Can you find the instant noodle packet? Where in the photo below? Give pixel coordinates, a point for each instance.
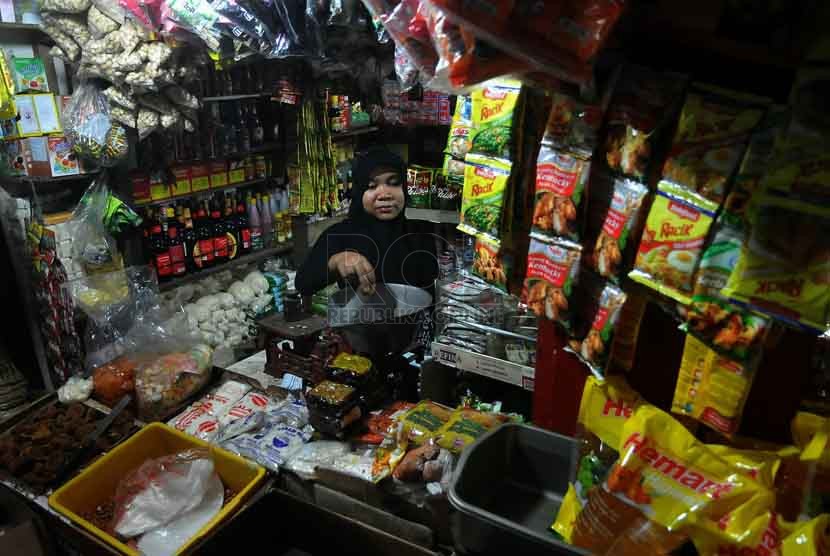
(560, 182)
(552, 272)
(724, 326)
(485, 184)
(465, 426)
(711, 388)
(423, 421)
(665, 484)
(672, 241)
(608, 254)
(494, 110)
(566, 516)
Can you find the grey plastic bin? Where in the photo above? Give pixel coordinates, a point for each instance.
(507, 489)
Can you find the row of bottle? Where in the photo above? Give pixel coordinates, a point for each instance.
(189, 236)
(234, 127)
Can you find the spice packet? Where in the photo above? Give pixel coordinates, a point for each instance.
(422, 422)
(664, 484)
(485, 183)
(725, 327)
(494, 107)
(711, 388)
(672, 242)
(465, 426)
(711, 136)
(418, 184)
(573, 125)
(448, 191)
(552, 271)
(560, 184)
(491, 263)
(639, 114)
(609, 253)
(594, 346)
(459, 140)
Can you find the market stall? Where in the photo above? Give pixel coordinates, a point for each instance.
(417, 277)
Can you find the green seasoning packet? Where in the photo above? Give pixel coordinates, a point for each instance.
(494, 108)
(418, 185)
(29, 75)
(485, 182)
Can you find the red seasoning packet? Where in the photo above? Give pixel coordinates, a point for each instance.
(552, 271)
(560, 193)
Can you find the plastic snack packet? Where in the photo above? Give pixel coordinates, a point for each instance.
(485, 184)
(423, 421)
(566, 517)
(560, 182)
(595, 346)
(672, 242)
(491, 263)
(494, 111)
(552, 273)
(809, 539)
(465, 426)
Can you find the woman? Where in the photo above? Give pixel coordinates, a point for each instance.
(376, 244)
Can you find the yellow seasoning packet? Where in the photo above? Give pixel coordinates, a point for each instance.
(711, 388)
(808, 539)
(465, 426)
(566, 517)
(482, 199)
(422, 422)
(672, 241)
(493, 113)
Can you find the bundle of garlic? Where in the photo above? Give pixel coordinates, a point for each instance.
(144, 71)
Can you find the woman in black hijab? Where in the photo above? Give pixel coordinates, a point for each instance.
(376, 244)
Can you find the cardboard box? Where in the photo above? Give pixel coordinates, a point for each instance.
(62, 160)
(36, 156)
(218, 174)
(199, 177)
(141, 187)
(181, 185)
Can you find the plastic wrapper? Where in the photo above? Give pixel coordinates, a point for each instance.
(87, 125)
(333, 407)
(315, 454)
(99, 23)
(613, 247)
(93, 245)
(464, 427)
(115, 379)
(120, 97)
(68, 46)
(74, 26)
(350, 369)
(405, 70)
(560, 196)
(491, 262)
(163, 489)
(147, 121)
(496, 108)
(65, 6)
(552, 273)
(413, 466)
(181, 97)
(594, 345)
(675, 230)
(485, 185)
(573, 125)
(422, 422)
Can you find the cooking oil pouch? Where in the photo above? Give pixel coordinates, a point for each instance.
(595, 346)
(485, 185)
(559, 199)
(805, 426)
(711, 388)
(552, 272)
(672, 242)
(605, 406)
(491, 262)
(722, 325)
(465, 426)
(609, 252)
(423, 421)
(710, 139)
(494, 109)
(566, 516)
(808, 539)
(667, 477)
(766, 539)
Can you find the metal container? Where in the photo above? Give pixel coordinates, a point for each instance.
(507, 489)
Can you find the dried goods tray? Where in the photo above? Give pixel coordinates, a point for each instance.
(32, 490)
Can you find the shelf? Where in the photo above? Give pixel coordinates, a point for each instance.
(205, 192)
(433, 215)
(267, 147)
(41, 179)
(354, 133)
(484, 365)
(31, 27)
(227, 98)
(239, 261)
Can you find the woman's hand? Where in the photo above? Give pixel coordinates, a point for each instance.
(350, 263)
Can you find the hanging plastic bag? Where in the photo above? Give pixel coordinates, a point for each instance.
(89, 128)
(161, 490)
(92, 245)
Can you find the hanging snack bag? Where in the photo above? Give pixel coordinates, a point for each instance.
(423, 421)
(621, 217)
(448, 191)
(672, 241)
(711, 388)
(710, 139)
(722, 325)
(459, 141)
(664, 484)
(485, 183)
(465, 426)
(29, 75)
(552, 270)
(573, 125)
(638, 115)
(594, 347)
(490, 263)
(494, 109)
(560, 184)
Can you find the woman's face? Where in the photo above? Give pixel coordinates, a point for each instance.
(384, 197)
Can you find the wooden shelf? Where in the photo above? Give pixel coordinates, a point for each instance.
(239, 261)
(433, 215)
(43, 179)
(354, 132)
(205, 192)
(228, 98)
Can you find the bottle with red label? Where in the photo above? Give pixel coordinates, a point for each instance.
(189, 238)
(220, 240)
(243, 227)
(203, 251)
(231, 232)
(176, 252)
(160, 253)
